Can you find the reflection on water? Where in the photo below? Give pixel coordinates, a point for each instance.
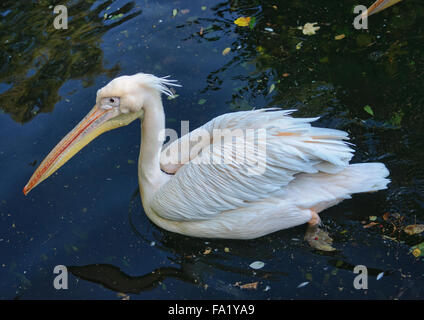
(114, 279)
(36, 59)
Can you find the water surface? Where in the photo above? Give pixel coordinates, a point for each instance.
(88, 215)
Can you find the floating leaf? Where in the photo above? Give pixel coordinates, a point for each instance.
(380, 275)
(242, 21)
(386, 216)
(207, 251)
(414, 229)
(373, 218)
(226, 51)
(271, 88)
(299, 45)
(201, 101)
(203, 8)
(368, 109)
(250, 286)
(257, 265)
(303, 284)
(418, 250)
(340, 36)
(174, 12)
(226, 249)
(371, 224)
(309, 29)
(252, 23)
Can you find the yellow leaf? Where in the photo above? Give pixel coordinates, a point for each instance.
(207, 251)
(226, 51)
(416, 252)
(340, 36)
(242, 21)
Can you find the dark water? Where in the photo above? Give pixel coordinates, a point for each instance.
(89, 216)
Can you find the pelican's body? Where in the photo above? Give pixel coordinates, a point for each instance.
(275, 172)
(306, 171)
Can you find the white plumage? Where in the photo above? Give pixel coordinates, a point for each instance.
(306, 168)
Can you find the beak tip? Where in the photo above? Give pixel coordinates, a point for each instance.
(26, 190)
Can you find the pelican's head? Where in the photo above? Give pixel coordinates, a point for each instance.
(118, 104)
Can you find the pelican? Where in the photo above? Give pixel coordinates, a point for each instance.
(186, 187)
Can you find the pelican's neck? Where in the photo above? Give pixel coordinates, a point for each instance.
(153, 124)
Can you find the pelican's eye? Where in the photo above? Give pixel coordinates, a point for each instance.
(108, 103)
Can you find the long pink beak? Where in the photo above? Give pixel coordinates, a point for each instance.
(93, 124)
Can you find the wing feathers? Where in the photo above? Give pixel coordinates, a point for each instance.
(203, 187)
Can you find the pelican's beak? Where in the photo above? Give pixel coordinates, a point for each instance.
(379, 5)
(96, 122)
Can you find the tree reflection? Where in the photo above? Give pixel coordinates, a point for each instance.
(36, 59)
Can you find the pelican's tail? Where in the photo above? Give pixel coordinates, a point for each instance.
(320, 191)
(367, 177)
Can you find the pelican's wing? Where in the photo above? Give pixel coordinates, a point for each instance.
(218, 176)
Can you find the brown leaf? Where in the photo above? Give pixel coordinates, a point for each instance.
(386, 216)
(250, 286)
(207, 251)
(414, 229)
(369, 225)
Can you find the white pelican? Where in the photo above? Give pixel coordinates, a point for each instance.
(306, 168)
